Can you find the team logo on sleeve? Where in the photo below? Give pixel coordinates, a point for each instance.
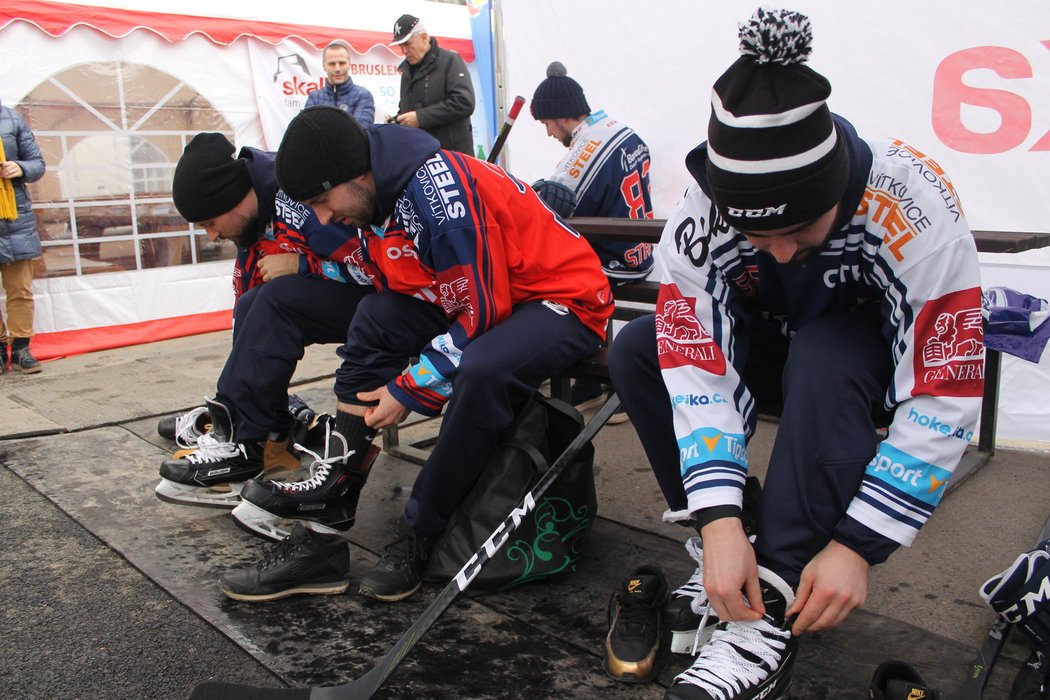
(681, 340)
(949, 346)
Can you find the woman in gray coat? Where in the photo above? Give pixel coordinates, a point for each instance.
(19, 240)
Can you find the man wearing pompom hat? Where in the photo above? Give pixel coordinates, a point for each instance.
(604, 173)
(477, 279)
(831, 280)
(292, 288)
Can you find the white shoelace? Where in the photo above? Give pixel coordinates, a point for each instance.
(211, 450)
(723, 671)
(321, 466)
(694, 588)
(186, 432)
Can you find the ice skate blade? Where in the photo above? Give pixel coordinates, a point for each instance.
(218, 496)
(257, 521)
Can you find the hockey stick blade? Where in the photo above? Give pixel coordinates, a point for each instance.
(366, 686)
(981, 668)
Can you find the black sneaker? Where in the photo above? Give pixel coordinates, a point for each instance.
(400, 570)
(634, 626)
(1033, 680)
(896, 680)
(688, 616)
(745, 660)
(213, 474)
(326, 501)
(303, 562)
(23, 359)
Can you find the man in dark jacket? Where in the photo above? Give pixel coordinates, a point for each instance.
(436, 93)
(20, 162)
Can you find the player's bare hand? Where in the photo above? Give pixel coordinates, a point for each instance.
(278, 264)
(730, 571)
(387, 412)
(408, 119)
(832, 585)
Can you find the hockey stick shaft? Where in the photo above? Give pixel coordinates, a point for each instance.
(981, 668)
(504, 130)
(366, 686)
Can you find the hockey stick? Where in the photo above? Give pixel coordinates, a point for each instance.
(515, 108)
(366, 686)
(981, 668)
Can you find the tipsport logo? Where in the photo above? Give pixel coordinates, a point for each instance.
(712, 445)
(681, 340)
(920, 480)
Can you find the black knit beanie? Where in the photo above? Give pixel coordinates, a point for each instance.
(559, 96)
(208, 180)
(322, 147)
(775, 158)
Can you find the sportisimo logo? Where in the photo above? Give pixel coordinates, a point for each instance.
(696, 399)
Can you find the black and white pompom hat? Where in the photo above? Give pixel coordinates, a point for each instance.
(775, 158)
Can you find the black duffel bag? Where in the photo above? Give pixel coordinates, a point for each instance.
(550, 538)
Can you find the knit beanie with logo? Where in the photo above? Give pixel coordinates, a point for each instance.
(775, 157)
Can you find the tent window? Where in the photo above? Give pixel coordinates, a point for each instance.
(111, 133)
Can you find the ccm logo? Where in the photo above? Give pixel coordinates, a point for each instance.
(756, 213)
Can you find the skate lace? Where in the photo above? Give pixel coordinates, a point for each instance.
(320, 467)
(694, 588)
(739, 656)
(210, 449)
(186, 432)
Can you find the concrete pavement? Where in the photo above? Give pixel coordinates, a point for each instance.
(108, 592)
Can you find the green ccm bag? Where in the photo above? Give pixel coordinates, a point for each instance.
(550, 539)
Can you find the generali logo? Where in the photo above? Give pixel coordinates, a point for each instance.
(949, 346)
(681, 340)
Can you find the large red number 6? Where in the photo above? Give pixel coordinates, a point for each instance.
(950, 93)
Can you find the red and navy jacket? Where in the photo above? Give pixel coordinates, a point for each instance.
(469, 237)
(286, 226)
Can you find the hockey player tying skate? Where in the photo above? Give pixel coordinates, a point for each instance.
(830, 279)
(477, 278)
(293, 288)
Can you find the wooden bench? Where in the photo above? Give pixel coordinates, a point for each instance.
(638, 299)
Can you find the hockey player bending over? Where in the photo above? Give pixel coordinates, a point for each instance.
(476, 278)
(817, 266)
(605, 172)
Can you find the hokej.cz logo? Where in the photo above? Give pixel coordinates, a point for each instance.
(949, 346)
(907, 473)
(681, 340)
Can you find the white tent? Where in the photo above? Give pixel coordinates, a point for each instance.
(114, 91)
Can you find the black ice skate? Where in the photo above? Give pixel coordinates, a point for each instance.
(324, 502)
(745, 660)
(688, 616)
(185, 429)
(214, 473)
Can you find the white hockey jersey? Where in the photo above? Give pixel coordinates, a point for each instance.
(909, 249)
